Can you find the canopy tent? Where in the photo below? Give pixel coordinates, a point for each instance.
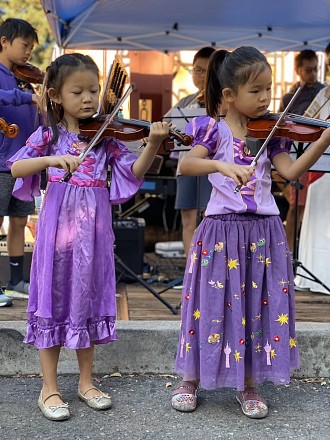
(172, 25)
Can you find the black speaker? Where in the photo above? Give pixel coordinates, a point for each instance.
(129, 243)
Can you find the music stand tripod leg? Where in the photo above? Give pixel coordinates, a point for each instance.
(313, 277)
(130, 272)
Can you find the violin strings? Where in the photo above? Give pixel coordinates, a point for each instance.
(312, 121)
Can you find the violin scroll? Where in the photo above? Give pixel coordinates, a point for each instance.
(9, 130)
(183, 138)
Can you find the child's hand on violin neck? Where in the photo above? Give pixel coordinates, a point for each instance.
(158, 132)
(239, 173)
(67, 162)
(36, 99)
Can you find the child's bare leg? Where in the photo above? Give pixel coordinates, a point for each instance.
(85, 358)
(49, 360)
(94, 398)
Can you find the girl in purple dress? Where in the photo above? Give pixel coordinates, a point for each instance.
(72, 291)
(238, 311)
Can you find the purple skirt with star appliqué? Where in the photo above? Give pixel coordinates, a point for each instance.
(238, 304)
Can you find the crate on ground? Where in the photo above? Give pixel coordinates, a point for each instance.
(170, 249)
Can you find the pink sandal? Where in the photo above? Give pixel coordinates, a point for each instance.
(185, 397)
(252, 404)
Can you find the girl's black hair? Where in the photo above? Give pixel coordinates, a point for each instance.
(212, 88)
(56, 74)
(17, 28)
(240, 65)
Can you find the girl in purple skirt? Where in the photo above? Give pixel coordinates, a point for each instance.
(73, 286)
(238, 306)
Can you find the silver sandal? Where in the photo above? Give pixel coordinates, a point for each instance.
(185, 397)
(252, 404)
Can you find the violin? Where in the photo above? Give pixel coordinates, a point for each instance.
(9, 130)
(295, 127)
(29, 73)
(127, 129)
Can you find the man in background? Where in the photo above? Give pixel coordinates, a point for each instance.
(193, 193)
(306, 66)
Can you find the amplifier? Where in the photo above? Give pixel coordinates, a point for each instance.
(129, 243)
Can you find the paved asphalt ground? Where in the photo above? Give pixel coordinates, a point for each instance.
(141, 410)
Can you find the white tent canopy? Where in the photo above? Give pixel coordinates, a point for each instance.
(172, 25)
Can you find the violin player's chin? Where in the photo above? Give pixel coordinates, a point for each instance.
(260, 112)
(87, 113)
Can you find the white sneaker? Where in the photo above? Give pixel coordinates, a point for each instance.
(19, 290)
(5, 301)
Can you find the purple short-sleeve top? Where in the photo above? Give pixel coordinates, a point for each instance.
(256, 196)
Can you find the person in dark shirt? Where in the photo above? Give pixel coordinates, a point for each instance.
(306, 66)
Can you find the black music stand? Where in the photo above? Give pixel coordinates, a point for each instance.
(299, 150)
(179, 117)
(122, 268)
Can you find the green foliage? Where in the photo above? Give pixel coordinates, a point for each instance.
(32, 12)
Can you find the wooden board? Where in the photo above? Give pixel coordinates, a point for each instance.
(142, 305)
(122, 304)
(17, 312)
(134, 302)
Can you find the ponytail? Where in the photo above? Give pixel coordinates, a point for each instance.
(213, 87)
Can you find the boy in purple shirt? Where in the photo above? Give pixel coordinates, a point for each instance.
(17, 106)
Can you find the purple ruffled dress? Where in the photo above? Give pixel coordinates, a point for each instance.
(72, 284)
(238, 305)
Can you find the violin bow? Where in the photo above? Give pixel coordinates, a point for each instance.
(109, 118)
(265, 143)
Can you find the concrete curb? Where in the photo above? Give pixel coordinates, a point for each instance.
(148, 347)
